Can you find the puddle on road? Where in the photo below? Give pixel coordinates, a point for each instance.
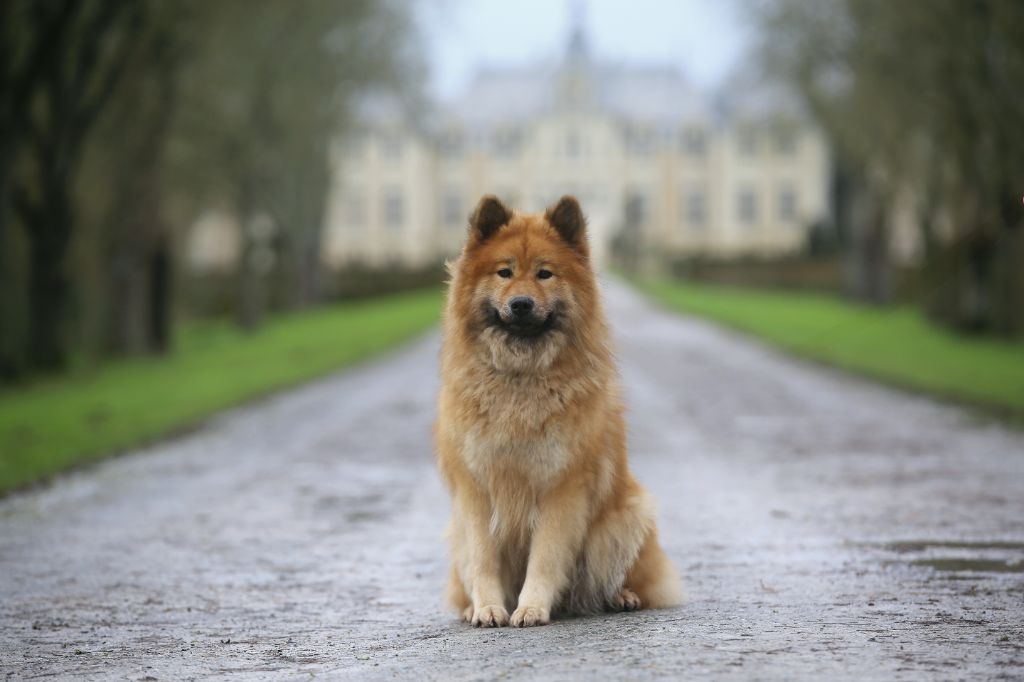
(972, 556)
(923, 545)
(953, 565)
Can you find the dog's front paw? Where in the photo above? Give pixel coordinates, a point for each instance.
(527, 616)
(490, 617)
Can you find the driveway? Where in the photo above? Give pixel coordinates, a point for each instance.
(827, 528)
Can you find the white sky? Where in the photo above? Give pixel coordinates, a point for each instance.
(705, 38)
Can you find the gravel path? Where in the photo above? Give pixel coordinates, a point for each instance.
(828, 528)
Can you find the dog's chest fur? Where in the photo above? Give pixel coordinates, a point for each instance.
(514, 473)
(518, 441)
(517, 429)
(538, 459)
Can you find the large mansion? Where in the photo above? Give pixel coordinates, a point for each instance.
(652, 160)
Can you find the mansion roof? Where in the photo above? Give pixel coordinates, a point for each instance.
(649, 95)
(653, 95)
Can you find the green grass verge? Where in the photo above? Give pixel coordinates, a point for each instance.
(57, 423)
(893, 344)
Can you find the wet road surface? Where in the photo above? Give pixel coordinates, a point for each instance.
(827, 528)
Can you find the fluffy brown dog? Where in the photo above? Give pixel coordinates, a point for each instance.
(546, 516)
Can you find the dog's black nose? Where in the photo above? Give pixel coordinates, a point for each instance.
(521, 306)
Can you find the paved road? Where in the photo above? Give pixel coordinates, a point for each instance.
(828, 528)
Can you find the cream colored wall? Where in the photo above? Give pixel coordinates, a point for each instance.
(592, 174)
(689, 172)
(214, 242)
(766, 172)
(601, 175)
(367, 176)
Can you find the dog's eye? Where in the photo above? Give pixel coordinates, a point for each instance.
(544, 274)
(504, 272)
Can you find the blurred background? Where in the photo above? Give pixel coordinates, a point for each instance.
(178, 178)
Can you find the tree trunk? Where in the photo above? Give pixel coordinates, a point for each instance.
(127, 302)
(251, 288)
(48, 280)
(158, 332)
(141, 314)
(866, 254)
(1008, 294)
(14, 320)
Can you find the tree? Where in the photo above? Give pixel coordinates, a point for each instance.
(26, 32)
(167, 105)
(124, 185)
(269, 87)
(923, 99)
(82, 49)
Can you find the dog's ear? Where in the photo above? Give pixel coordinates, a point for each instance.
(488, 217)
(567, 218)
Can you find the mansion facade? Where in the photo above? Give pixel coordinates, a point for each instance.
(653, 162)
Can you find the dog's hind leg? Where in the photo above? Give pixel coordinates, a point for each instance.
(622, 567)
(613, 543)
(653, 578)
(627, 600)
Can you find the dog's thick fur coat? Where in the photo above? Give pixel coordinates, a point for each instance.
(546, 516)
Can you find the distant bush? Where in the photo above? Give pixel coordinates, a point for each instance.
(802, 273)
(210, 294)
(216, 294)
(362, 281)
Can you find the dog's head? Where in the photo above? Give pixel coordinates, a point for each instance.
(523, 287)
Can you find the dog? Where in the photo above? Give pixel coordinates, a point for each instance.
(531, 442)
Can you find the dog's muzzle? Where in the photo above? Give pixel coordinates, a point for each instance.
(521, 318)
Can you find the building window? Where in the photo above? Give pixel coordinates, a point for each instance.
(747, 142)
(509, 197)
(573, 145)
(785, 141)
(355, 208)
(394, 211)
(695, 142)
(696, 208)
(787, 204)
(595, 199)
(391, 146)
(746, 206)
(452, 145)
(638, 209)
(588, 198)
(507, 143)
(353, 146)
(451, 209)
(640, 141)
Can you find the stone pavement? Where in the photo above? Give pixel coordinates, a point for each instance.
(827, 528)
